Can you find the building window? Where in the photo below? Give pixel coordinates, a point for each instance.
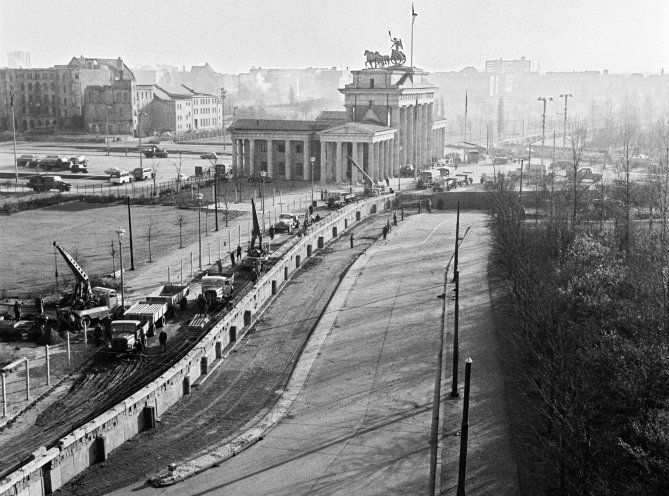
(281, 168)
(263, 146)
(281, 148)
(298, 169)
(298, 148)
(263, 166)
(371, 83)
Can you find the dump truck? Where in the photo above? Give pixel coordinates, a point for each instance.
(147, 312)
(125, 334)
(170, 294)
(218, 288)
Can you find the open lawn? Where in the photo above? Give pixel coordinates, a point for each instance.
(86, 231)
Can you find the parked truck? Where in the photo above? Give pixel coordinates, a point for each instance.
(338, 199)
(125, 334)
(218, 288)
(147, 312)
(170, 294)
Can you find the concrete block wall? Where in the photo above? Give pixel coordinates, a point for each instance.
(93, 442)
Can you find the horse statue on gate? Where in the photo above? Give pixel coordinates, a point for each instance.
(374, 59)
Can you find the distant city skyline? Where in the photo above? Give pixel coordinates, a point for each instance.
(621, 36)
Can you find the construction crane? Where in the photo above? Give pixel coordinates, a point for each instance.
(82, 289)
(369, 183)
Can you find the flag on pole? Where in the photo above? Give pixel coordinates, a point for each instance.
(413, 13)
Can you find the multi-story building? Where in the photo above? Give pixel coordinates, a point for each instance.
(178, 112)
(517, 66)
(52, 98)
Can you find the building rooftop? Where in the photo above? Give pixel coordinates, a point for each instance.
(280, 125)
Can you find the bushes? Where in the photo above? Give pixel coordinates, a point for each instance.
(591, 329)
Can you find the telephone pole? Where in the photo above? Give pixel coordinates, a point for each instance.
(564, 133)
(543, 125)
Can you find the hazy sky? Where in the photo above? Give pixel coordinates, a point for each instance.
(556, 35)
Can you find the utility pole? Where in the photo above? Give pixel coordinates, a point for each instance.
(564, 134)
(132, 255)
(456, 279)
(543, 125)
(16, 164)
(223, 93)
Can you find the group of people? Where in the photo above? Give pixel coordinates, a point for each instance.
(388, 227)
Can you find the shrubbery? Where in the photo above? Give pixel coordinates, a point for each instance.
(592, 329)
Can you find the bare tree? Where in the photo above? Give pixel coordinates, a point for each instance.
(152, 230)
(177, 164)
(154, 173)
(181, 222)
(577, 142)
(629, 140)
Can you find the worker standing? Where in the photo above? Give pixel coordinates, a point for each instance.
(394, 218)
(17, 309)
(239, 252)
(162, 339)
(39, 304)
(351, 238)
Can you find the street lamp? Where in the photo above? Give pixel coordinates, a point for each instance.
(311, 161)
(199, 197)
(543, 124)
(16, 164)
(107, 108)
(399, 174)
(120, 232)
(139, 132)
(564, 132)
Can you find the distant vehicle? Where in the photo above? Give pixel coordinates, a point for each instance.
(259, 177)
(79, 164)
(218, 288)
(153, 151)
(125, 334)
(285, 222)
(47, 182)
(28, 160)
(209, 156)
(141, 173)
(120, 177)
(407, 171)
(182, 177)
(112, 170)
(55, 162)
(338, 199)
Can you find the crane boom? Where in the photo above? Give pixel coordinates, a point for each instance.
(365, 175)
(83, 282)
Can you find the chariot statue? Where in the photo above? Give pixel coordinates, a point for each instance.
(396, 57)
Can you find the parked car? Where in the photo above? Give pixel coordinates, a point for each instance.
(28, 160)
(79, 164)
(153, 151)
(47, 182)
(259, 177)
(120, 177)
(209, 156)
(182, 177)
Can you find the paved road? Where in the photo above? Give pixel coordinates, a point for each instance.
(249, 380)
(361, 423)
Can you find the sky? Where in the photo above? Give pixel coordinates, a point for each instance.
(623, 36)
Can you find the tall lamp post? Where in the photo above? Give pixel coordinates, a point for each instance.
(564, 131)
(399, 174)
(223, 93)
(120, 232)
(543, 124)
(311, 173)
(16, 164)
(107, 108)
(139, 132)
(199, 197)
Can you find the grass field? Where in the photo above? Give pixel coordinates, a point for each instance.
(28, 258)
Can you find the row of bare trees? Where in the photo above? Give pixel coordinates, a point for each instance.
(588, 282)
